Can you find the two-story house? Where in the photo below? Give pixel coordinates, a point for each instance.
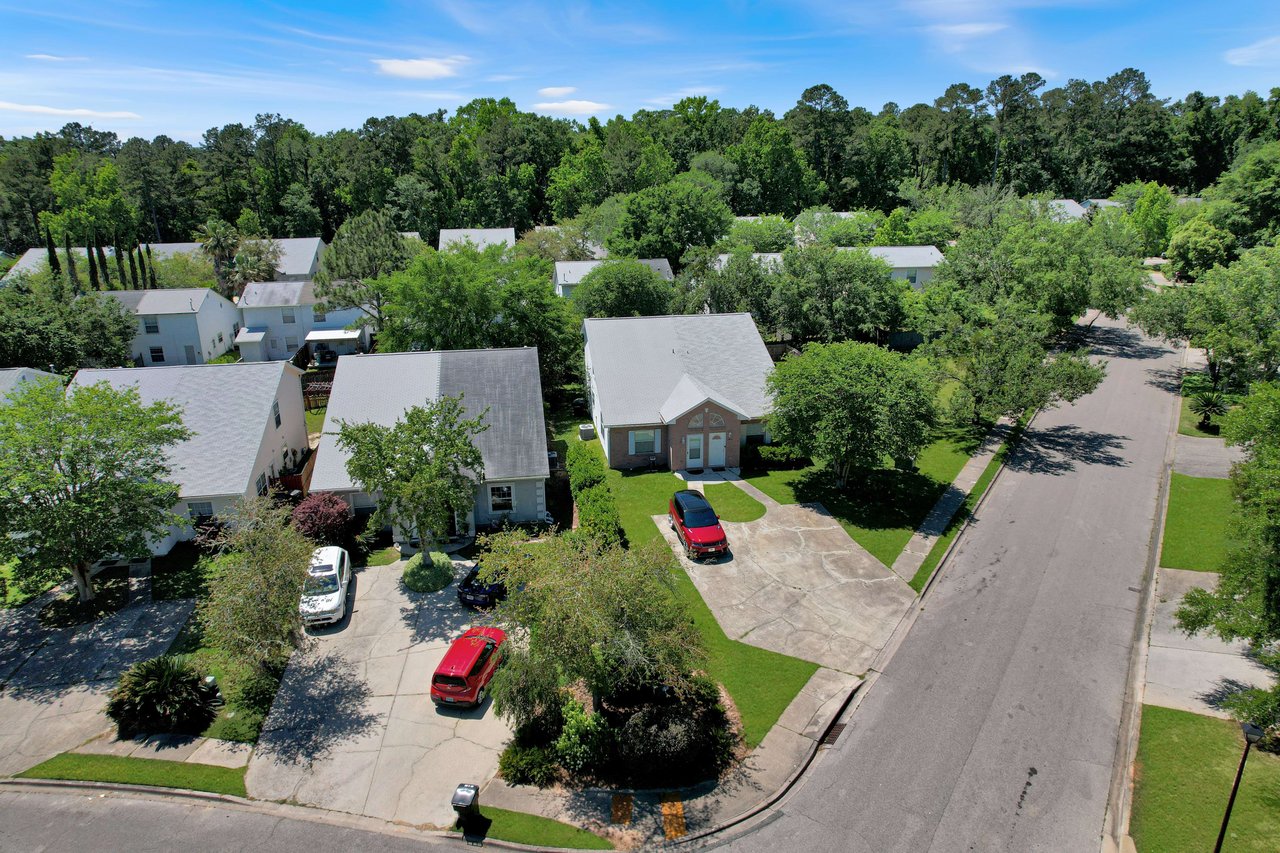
(191, 325)
(280, 317)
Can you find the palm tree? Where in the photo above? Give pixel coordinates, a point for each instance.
(220, 241)
(1208, 404)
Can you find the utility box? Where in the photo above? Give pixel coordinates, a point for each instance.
(466, 801)
(586, 432)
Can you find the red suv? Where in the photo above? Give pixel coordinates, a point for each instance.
(697, 525)
(468, 667)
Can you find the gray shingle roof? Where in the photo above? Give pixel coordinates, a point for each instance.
(378, 388)
(34, 260)
(11, 377)
(181, 300)
(226, 406)
(299, 256)
(1064, 209)
(899, 257)
(772, 260)
(572, 272)
(643, 366)
(278, 294)
(482, 238)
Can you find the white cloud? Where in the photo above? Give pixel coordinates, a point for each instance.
(973, 29)
(425, 68)
(571, 108)
(1261, 53)
(40, 109)
(49, 57)
(557, 91)
(679, 95)
(502, 78)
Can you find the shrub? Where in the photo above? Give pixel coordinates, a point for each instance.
(1197, 247)
(428, 575)
(585, 741)
(676, 741)
(779, 456)
(598, 515)
(161, 695)
(1208, 404)
(528, 765)
(323, 517)
(586, 468)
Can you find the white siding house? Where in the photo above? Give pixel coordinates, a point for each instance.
(180, 326)
(915, 264)
(280, 317)
(12, 377)
(569, 274)
(247, 423)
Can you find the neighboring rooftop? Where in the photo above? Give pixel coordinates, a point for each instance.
(907, 257)
(178, 300)
(1100, 202)
(12, 377)
(772, 260)
(379, 388)
(35, 259)
(226, 407)
(572, 272)
(650, 369)
(1064, 209)
(277, 294)
(299, 256)
(481, 238)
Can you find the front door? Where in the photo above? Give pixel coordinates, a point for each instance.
(190, 352)
(693, 452)
(715, 450)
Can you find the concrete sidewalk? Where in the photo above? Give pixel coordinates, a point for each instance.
(935, 523)
(1205, 457)
(184, 748)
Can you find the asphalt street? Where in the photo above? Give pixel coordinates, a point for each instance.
(994, 726)
(49, 821)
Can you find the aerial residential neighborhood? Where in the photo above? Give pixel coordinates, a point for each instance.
(832, 427)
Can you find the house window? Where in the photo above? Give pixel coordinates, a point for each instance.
(290, 342)
(151, 325)
(262, 484)
(220, 338)
(275, 343)
(911, 276)
(157, 355)
(696, 421)
(200, 510)
(644, 441)
(275, 411)
(501, 499)
(318, 313)
(235, 329)
(715, 419)
(288, 316)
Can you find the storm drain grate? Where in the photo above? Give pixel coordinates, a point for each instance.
(833, 734)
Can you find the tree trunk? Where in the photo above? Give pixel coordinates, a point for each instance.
(133, 270)
(142, 268)
(54, 266)
(84, 583)
(93, 266)
(71, 266)
(102, 265)
(124, 281)
(151, 266)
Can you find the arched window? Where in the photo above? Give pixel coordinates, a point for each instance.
(717, 420)
(695, 422)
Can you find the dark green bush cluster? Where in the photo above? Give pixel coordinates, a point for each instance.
(779, 457)
(429, 573)
(528, 765)
(597, 511)
(160, 696)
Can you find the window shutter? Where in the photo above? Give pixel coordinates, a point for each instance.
(631, 442)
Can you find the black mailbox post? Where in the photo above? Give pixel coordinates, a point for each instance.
(466, 802)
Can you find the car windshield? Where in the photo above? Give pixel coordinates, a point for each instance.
(320, 584)
(450, 680)
(700, 517)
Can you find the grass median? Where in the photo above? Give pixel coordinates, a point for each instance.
(521, 828)
(83, 767)
(1197, 524)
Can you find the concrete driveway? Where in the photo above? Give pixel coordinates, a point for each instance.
(54, 683)
(797, 584)
(353, 728)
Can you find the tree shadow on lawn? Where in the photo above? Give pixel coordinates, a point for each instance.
(321, 704)
(1056, 450)
(880, 499)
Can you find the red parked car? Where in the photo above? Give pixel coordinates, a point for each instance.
(697, 525)
(468, 667)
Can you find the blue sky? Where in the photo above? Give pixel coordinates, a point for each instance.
(140, 67)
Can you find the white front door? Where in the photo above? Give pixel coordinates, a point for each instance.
(693, 452)
(715, 450)
(190, 352)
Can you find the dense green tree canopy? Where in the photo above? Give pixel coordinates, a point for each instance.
(624, 288)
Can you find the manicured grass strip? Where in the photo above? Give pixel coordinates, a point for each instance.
(1189, 421)
(521, 828)
(13, 594)
(733, 504)
(1186, 763)
(315, 419)
(1197, 523)
(140, 771)
(381, 557)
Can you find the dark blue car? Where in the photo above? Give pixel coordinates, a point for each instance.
(474, 592)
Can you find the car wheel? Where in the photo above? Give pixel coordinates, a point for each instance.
(480, 697)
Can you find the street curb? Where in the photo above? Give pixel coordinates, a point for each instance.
(1115, 821)
(272, 808)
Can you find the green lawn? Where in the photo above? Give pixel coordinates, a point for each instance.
(140, 771)
(178, 574)
(231, 356)
(521, 828)
(1186, 763)
(315, 419)
(733, 504)
(1189, 421)
(1196, 525)
(13, 594)
(240, 719)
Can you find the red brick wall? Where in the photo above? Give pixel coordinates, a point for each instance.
(680, 431)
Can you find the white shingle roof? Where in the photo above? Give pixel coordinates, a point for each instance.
(1064, 209)
(378, 388)
(482, 238)
(12, 377)
(572, 272)
(226, 406)
(277, 294)
(908, 257)
(646, 367)
(180, 300)
(299, 256)
(34, 260)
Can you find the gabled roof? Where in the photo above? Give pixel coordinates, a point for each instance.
(278, 294)
(299, 256)
(770, 260)
(35, 259)
(900, 257)
(1064, 209)
(572, 272)
(1100, 202)
(12, 377)
(645, 369)
(482, 238)
(179, 300)
(226, 407)
(379, 388)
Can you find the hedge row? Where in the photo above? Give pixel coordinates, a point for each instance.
(597, 511)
